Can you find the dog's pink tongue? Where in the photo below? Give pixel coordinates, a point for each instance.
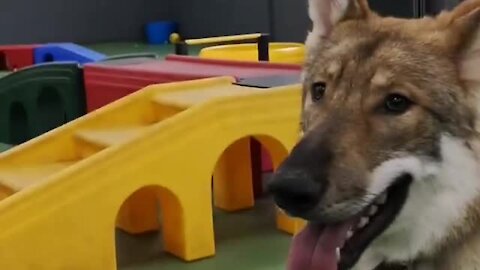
(315, 248)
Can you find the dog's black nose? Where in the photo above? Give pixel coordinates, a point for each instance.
(302, 179)
(295, 191)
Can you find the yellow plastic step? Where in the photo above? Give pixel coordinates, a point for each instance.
(187, 99)
(111, 137)
(13, 180)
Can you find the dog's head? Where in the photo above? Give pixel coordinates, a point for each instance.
(385, 101)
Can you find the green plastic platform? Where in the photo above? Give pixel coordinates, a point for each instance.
(39, 98)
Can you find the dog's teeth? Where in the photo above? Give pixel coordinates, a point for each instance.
(349, 234)
(363, 222)
(373, 210)
(382, 199)
(337, 251)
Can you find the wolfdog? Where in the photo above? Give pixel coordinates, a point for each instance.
(387, 170)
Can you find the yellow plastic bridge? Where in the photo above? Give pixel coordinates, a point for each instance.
(63, 193)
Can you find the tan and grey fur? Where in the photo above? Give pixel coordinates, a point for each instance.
(435, 62)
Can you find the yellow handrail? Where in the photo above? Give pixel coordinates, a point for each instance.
(220, 39)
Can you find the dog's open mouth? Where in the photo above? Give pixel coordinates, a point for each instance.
(339, 246)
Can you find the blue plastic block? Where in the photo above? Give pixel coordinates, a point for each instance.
(66, 52)
(159, 32)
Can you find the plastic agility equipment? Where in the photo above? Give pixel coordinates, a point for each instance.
(66, 190)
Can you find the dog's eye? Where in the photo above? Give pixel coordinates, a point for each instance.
(318, 91)
(397, 104)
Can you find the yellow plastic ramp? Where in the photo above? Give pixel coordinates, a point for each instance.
(63, 193)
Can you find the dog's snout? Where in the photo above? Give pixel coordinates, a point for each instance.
(295, 192)
(302, 179)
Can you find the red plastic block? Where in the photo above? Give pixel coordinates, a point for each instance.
(14, 57)
(105, 82)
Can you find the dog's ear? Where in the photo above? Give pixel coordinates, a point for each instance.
(326, 13)
(463, 39)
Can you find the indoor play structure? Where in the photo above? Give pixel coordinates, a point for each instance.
(175, 98)
(41, 97)
(68, 87)
(104, 80)
(51, 186)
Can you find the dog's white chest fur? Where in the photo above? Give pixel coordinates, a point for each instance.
(437, 202)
